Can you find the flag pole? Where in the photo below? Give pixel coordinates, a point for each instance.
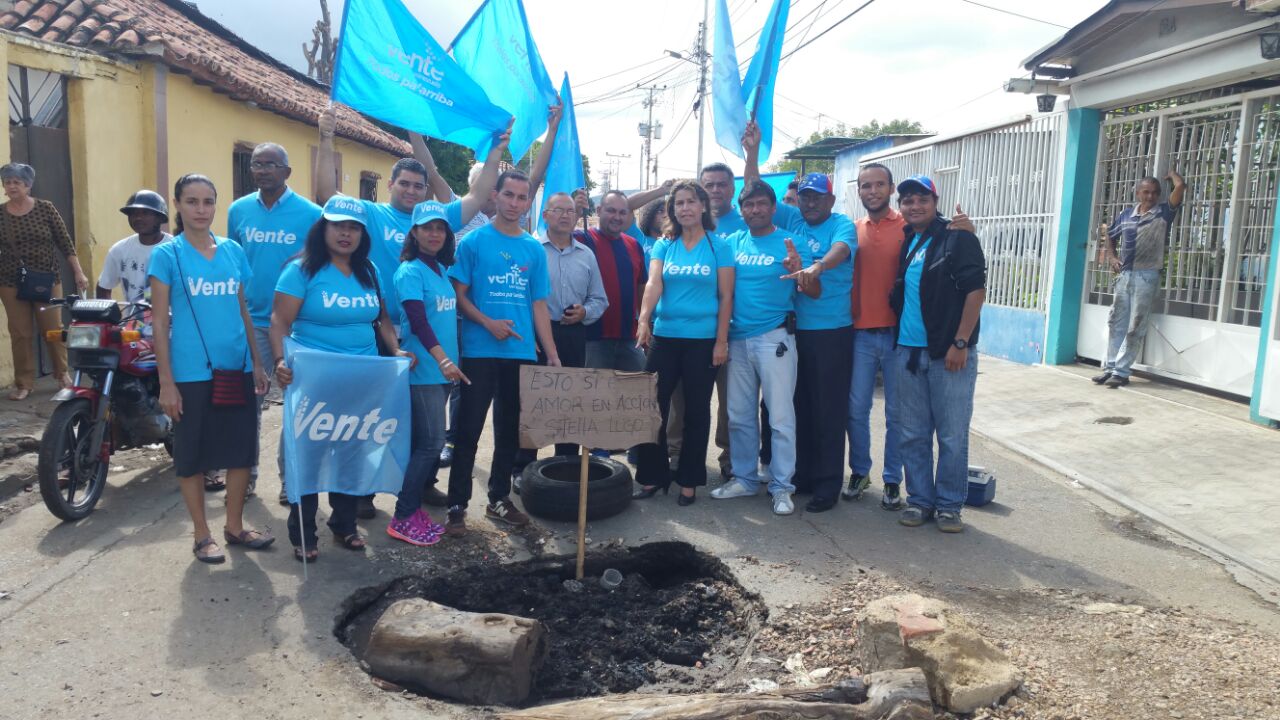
(582, 510)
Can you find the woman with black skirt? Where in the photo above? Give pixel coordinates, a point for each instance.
(210, 374)
(691, 290)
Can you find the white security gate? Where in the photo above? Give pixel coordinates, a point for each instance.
(1227, 146)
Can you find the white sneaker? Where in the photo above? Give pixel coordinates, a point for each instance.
(782, 504)
(735, 489)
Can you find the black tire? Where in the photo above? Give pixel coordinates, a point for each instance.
(71, 473)
(549, 488)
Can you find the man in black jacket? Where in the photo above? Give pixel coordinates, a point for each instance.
(941, 285)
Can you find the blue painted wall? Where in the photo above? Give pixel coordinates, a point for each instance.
(1083, 132)
(1012, 334)
(847, 165)
(1269, 310)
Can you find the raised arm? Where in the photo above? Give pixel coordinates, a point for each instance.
(480, 192)
(539, 171)
(439, 188)
(326, 174)
(640, 199)
(751, 146)
(1179, 189)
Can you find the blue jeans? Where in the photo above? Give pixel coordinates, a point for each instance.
(755, 371)
(427, 402)
(935, 401)
(872, 352)
(615, 355)
(1130, 315)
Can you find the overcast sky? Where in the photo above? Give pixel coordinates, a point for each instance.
(941, 62)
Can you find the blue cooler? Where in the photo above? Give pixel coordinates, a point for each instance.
(982, 487)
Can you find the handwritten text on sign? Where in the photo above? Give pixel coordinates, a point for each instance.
(595, 408)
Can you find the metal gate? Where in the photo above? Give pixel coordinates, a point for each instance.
(1226, 144)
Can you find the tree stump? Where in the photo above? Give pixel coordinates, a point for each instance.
(482, 658)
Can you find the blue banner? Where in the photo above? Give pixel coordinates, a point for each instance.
(497, 50)
(344, 436)
(729, 113)
(564, 171)
(762, 73)
(389, 67)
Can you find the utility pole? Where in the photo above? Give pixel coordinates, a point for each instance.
(615, 169)
(702, 78)
(649, 131)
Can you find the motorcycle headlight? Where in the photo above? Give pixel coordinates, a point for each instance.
(84, 336)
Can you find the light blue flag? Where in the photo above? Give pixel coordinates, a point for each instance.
(391, 68)
(496, 48)
(564, 171)
(729, 112)
(343, 436)
(762, 73)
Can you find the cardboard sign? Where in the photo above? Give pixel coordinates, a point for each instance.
(590, 407)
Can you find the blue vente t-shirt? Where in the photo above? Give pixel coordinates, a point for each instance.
(831, 309)
(387, 228)
(504, 276)
(646, 242)
(911, 332)
(269, 237)
(690, 298)
(761, 298)
(206, 292)
(337, 312)
(417, 281)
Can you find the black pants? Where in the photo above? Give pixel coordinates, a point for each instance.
(342, 518)
(496, 381)
(687, 363)
(571, 344)
(822, 408)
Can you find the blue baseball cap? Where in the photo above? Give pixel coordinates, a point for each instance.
(917, 183)
(342, 207)
(425, 212)
(817, 182)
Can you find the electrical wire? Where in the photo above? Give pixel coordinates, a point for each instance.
(1017, 15)
(830, 27)
(620, 72)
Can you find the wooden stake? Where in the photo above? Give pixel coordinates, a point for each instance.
(582, 510)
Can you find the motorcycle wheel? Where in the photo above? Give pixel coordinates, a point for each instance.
(72, 475)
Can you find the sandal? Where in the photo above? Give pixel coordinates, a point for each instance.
(19, 394)
(247, 538)
(215, 481)
(309, 557)
(211, 557)
(354, 541)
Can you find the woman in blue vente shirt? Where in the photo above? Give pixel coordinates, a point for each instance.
(690, 288)
(334, 264)
(197, 303)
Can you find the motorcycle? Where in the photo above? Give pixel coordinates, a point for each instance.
(113, 403)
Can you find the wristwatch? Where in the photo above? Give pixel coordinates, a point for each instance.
(960, 343)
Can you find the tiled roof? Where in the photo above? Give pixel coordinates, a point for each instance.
(190, 43)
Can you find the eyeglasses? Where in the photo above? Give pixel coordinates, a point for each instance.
(268, 165)
(561, 212)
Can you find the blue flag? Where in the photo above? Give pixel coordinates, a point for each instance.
(762, 73)
(496, 48)
(343, 436)
(564, 171)
(390, 67)
(730, 115)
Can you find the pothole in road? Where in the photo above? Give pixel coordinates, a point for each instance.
(1114, 420)
(679, 620)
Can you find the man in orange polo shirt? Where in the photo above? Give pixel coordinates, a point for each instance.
(875, 268)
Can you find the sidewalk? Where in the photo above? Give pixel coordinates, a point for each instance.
(1186, 460)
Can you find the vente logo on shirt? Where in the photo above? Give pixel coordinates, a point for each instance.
(200, 286)
(697, 269)
(446, 304)
(392, 236)
(367, 300)
(513, 277)
(757, 259)
(270, 237)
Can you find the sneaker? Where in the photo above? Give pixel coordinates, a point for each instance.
(819, 504)
(446, 455)
(365, 509)
(735, 489)
(782, 504)
(412, 531)
(949, 521)
(1117, 381)
(913, 517)
(433, 497)
(424, 521)
(505, 511)
(456, 523)
(857, 485)
(891, 498)
(1099, 379)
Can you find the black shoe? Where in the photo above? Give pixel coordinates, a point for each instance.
(1099, 379)
(891, 499)
(857, 485)
(433, 497)
(284, 496)
(446, 455)
(1117, 382)
(686, 500)
(364, 508)
(819, 504)
(645, 493)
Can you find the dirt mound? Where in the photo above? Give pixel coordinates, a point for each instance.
(680, 619)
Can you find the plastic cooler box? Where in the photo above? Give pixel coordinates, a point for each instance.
(982, 486)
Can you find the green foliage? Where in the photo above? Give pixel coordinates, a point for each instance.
(862, 132)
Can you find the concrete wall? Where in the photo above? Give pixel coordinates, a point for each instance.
(1012, 333)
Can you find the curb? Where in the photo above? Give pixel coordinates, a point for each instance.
(1234, 555)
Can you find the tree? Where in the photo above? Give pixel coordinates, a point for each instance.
(860, 132)
(320, 53)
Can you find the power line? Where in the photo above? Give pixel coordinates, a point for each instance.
(1017, 15)
(831, 27)
(614, 74)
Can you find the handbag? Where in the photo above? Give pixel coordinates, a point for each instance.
(228, 385)
(383, 349)
(34, 285)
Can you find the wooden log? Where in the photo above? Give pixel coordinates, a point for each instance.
(482, 658)
(892, 695)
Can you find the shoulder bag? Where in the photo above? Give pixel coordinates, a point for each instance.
(228, 385)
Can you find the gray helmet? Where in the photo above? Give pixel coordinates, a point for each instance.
(147, 200)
